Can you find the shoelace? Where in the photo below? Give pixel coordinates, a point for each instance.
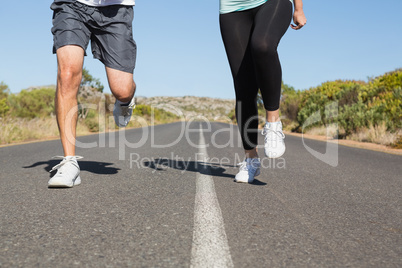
(64, 161)
(272, 135)
(126, 108)
(243, 165)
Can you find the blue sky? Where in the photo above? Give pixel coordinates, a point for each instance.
(180, 51)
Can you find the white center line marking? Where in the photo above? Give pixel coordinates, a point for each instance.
(210, 245)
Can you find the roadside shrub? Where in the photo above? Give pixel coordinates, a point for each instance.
(385, 97)
(92, 121)
(361, 105)
(4, 92)
(4, 108)
(290, 102)
(160, 115)
(33, 103)
(232, 115)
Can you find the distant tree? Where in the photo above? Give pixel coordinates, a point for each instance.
(89, 80)
(4, 90)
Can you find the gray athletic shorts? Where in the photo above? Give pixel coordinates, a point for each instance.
(109, 29)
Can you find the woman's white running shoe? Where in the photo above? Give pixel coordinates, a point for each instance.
(249, 169)
(274, 145)
(68, 173)
(122, 112)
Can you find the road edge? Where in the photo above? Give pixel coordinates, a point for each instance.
(349, 143)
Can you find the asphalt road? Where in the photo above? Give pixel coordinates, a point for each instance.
(165, 197)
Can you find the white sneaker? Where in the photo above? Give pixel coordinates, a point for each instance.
(68, 173)
(122, 112)
(249, 169)
(274, 144)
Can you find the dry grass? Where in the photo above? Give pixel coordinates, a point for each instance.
(16, 130)
(331, 131)
(19, 129)
(376, 134)
(289, 125)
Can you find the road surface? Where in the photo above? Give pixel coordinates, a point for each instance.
(165, 197)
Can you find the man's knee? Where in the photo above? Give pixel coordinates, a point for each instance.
(68, 85)
(124, 91)
(69, 78)
(70, 60)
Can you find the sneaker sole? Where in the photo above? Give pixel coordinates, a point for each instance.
(76, 182)
(244, 181)
(275, 156)
(257, 173)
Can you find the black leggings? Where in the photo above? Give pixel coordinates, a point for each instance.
(251, 38)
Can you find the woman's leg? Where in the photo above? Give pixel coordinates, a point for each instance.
(236, 29)
(271, 22)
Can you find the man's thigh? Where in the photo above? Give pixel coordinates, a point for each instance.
(120, 82)
(112, 42)
(68, 26)
(70, 57)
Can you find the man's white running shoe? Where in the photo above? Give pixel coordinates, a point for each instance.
(249, 169)
(122, 112)
(68, 173)
(274, 144)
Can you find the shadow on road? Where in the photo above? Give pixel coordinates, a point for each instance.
(212, 169)
(90, 166)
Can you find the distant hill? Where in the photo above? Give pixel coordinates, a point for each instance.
(191, 107)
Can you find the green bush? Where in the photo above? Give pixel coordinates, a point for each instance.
(232, 115)
(385, 98)
(4, 108)
(33, 103)
(142, 110)
(360, 104)
(352, 117)
(290, 102)
(4, 92)
(159, 114)
(91, 120)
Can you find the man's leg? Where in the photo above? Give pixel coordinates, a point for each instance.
(69, 73)
(123, 88)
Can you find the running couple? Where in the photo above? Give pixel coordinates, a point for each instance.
(251, 31)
